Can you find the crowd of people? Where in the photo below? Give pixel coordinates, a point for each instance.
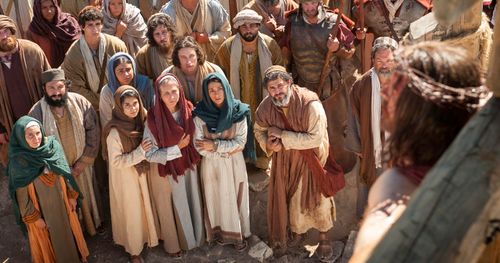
(159, 109)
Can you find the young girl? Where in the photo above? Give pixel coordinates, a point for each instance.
(131, 214)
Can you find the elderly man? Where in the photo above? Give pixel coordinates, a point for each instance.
(71, 119)
(86, 60)
(245, 57)
(273, 14)
(190, 67)
(366, 102)
(153, 58)
(22, 65)
(290, 126)
(205, 20)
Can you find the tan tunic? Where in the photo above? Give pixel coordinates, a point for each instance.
(150, 62)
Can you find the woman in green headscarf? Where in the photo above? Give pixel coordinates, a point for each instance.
(44, 194)
(221, 139)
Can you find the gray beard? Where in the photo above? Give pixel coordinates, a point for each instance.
(285, 101)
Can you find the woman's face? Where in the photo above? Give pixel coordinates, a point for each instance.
(48, 10)
(131, 107)
(33, 136)
(124, 73)
(216, 93)
(116, 8)
(169, 93)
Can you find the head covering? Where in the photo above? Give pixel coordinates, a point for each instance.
(53, 74)
(26, 164)
(7, 22)
(168, 132)
(246, 16)
(275, 68)
(140, 82)
(232, 111)
(130, 130)
(62, 31)
(385, 41)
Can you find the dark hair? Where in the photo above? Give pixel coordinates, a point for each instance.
(275, 75)
(187, 42)
(271, 2)
(160, 19)
(89, 13)
(120, 61)
(130, 93)
(424, 129)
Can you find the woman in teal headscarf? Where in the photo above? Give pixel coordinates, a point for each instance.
(44, 194)
(122, 70)
(221, 138)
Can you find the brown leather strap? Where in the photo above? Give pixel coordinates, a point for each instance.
(381, 7)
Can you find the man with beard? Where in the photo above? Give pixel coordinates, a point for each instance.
(245, 57)
(156, 56)
(291, 126)
(71, 119)
(22, 63)
(86, 60)
(366, 101)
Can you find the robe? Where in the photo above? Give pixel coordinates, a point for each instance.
(150, 7)
(177, 205)
(289, 202)
(131, 213)
(225, 183)
(66, 129)
(73, 6)
(21, 12)
(74, 68)
(150, 62)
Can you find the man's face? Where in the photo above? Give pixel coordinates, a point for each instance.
(188, 60)
(249, 31)
(7, 40)
(92, 29)
(310, 8)
(162, 37)
(383, 63)
(273, 7)
(55, 93)
(279, 90)
(48, 10)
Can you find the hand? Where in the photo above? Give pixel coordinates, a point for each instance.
(72, 204)
(40, 223)
(279, 31)
(274, 144)
(120, 29)
(202, 37)
(360, 33)
(4, 139)
(146, 145)
(333, 44)
(274, 132)
(271, 24)
(206, 145)
(184, 141)
(77, 169)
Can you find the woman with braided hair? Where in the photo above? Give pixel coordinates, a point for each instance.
(435, 91)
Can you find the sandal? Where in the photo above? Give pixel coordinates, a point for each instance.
(176, 255)
(220, 242)
(296, 240)
(241, 246)
(324, 251)
(136, 259)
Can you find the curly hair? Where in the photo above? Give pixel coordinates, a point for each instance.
(423, 128)
(160, 19)
(89, 13)
(187, 42)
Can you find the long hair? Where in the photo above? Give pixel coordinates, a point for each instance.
(425, 127)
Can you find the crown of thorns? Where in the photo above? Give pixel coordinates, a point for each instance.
(468, 98)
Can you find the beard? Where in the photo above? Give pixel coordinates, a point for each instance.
(8, 44)
(52, 101)
(284, 102)
(164, 47)
(249, 37)
(384, 72)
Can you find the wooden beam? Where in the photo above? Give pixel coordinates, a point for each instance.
(455, 195)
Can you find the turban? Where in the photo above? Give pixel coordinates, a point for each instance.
(246, 16)
(385, 41)
(54, 74)
(7, 22)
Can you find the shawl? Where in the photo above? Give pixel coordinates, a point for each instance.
(88, 58)
(168, 132)
(232, 111)
(140, 82)
(62, 32)
(201, 73)
(236, 49)
(135, 34)
(26, 164)
(130, 130)
(414, 173)
(375, 118)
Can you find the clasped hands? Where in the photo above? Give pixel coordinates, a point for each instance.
(274, 139)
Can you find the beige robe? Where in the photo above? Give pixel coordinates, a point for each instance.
(74, 68)
(131, 214)
(150, 62)
(225, 183)
(73, 6)
(21, 11)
